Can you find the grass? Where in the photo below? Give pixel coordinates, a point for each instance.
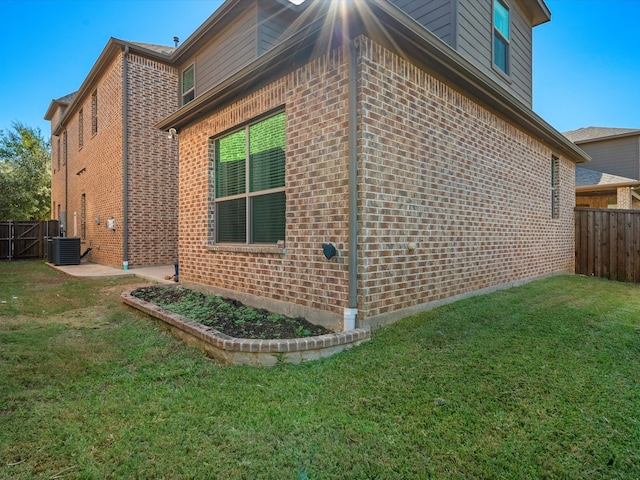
(539, 381)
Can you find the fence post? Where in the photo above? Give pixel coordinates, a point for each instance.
(11, 234)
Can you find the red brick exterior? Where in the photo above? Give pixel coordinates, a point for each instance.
(471, 190)
(95, 169)
(434, 167)
(153, 165)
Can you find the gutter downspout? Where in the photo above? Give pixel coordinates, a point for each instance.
(352, 307)
(66, 186)
(125, 161)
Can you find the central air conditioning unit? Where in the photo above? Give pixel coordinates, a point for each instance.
(65, 251)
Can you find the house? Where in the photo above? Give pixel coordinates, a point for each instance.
(615, 156)
(354, 162)
(615, 151)
(602, 190)
(113, 173)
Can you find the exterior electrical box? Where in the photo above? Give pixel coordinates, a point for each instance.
(65, 251)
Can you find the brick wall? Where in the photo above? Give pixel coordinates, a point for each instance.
(96, 169)
(153, 163)
(315, 101)
(472, 191)
(57, 175)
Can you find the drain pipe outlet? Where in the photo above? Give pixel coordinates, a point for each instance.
(349, 318)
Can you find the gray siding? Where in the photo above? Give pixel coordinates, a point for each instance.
(437, 16)
(620, 156)
(234, 47)
(475, 40)
(273, 25)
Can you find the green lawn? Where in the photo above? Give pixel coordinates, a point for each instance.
(539, 381)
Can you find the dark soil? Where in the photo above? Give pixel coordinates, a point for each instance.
(227, 315)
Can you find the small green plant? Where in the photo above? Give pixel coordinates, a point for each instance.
(276, 318)
(302, 332)
(228, 316)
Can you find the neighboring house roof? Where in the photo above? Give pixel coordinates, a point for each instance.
(113, 47)
(394, 29)
(591, 134)
(591, 180)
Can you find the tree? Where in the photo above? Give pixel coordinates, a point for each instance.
(25, 174)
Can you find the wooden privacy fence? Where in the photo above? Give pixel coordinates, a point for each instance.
(26, 239)
(608, 243)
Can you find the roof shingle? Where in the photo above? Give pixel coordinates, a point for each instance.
(598, 133)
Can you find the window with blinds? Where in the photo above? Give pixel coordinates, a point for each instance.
(250, 202)
(188, 84)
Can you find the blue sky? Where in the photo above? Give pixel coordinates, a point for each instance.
(586, 60)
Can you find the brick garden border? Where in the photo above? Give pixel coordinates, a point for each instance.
(241, 351)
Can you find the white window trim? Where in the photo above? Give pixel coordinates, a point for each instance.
(494, 30)
(192, 89)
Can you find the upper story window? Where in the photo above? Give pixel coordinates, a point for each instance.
(64, 147)
(250, 204)
(94, 112)
(188, 84)
(555, 187)
(59, 154)
(80, 129)
(501, 35)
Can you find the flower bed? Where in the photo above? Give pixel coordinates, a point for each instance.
(242, 351)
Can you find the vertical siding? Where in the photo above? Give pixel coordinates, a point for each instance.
(435, 15)
(620, 156)
(475, 38)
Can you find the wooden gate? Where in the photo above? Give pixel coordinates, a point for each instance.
(26, 239)
(608, 243)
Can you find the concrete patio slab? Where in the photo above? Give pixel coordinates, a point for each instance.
(94, 270)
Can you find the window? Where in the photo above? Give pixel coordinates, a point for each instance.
(83, 217)
(59, 153)
(188, 85)
(94, 112)
(64, 147)
(555, 187)
(250, 195)
(501, 35)
(80, 129)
